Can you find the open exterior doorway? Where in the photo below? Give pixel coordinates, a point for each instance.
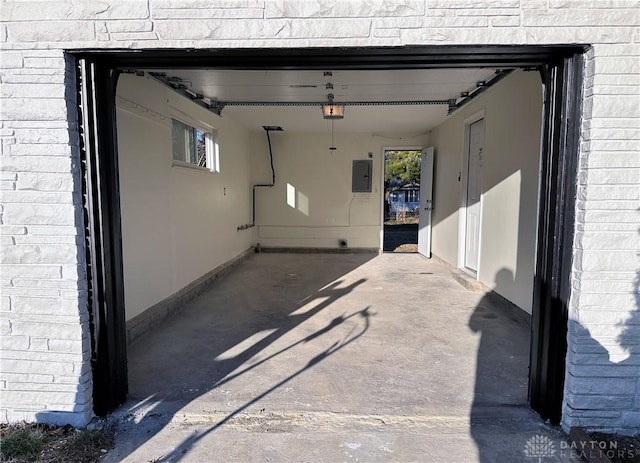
(401, 199)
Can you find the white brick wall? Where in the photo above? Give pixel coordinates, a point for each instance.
(45, 339)
(45, 366)
(603, 362)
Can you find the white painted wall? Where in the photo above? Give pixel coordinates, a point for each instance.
(177, 223)
(322, 209)
(513, 115)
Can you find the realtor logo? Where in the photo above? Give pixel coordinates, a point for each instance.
(539, 447)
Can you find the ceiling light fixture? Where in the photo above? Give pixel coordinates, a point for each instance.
(332, 111)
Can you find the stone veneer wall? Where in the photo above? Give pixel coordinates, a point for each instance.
(44, 323)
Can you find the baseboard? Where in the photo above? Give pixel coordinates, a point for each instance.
(145, 322)
(471, 284)
(321, 250)
(440, 260)
(509, 308)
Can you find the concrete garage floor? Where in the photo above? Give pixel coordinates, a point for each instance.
(331, 358)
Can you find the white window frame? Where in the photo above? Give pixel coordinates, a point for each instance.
(212, 147)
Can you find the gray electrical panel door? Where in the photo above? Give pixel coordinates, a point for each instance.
(361, 178)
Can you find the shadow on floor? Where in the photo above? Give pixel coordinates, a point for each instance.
(203, 346)
(332, 358)
(187, 445)
(502, 425)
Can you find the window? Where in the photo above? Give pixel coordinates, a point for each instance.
(193, 147)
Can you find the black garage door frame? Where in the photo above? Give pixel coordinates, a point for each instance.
(561, 68)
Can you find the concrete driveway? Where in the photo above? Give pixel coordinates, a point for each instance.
(331, 358)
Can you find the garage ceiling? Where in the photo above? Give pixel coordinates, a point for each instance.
(348, 86)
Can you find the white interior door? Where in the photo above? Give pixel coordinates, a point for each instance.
(474, 190)
(426, 201)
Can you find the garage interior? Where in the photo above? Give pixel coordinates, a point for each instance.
(195, 220)
(561, 69)
(182, 224)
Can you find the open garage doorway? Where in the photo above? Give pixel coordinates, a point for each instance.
(98, 74)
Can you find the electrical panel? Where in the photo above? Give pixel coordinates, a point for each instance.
(361, 176)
